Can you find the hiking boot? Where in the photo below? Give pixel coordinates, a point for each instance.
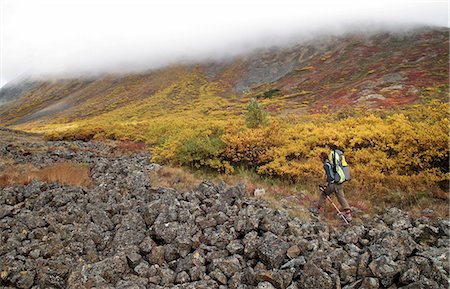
(348, 216)
(315, 211)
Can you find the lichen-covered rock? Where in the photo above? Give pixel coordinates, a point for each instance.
(385, 269)
(294, 263)
(395, 244)
(313, 277)
(272, 250)
(424, 283)
(250, 243)
(370, 283)
(280, 279)
(219, 276)
(228, 265)
(347, 272)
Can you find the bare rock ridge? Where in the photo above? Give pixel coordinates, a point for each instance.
(124, 233)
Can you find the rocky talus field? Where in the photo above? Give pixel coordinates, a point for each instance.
(123, 232)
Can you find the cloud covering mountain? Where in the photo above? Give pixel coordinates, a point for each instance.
(73, 37)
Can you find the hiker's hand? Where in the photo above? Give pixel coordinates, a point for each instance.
(329, 189)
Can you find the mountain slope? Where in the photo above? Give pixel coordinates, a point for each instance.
(382, 98)
(382, 70)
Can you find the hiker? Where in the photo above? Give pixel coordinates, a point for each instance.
(330, 188)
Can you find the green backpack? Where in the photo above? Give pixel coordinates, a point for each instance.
(340, 167)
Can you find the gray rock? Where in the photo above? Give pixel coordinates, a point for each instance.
(146, 245)
(108, 270)
(235, 247)
(294, 285)
(166, 231)
(24, 279)
(294, 263)
(411, 275)
(347, 272)
(101, 218)
(272, 250)
(370, 283)
(133, 259)
(197, 272)
(313, 277)
(235, 281)
(6, 211)
(275, 223)
(424, 283)
(363, 262)
(265, 285)
(385, 269)
(167, 277)
(250, 243)
(219, 276)
(35, 253)
(280, 279)
(228, 265)
(395, 244)
(182, 277)
(356, 285)
(143, 269)
(157, 255)
(352, 235)
(396, 219)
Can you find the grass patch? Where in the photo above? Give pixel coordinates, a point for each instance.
(66, 173)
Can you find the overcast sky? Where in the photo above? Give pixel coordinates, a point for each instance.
(94, 36)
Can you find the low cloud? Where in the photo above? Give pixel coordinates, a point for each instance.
(43, 37)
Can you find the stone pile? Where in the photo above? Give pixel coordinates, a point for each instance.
(124, 233)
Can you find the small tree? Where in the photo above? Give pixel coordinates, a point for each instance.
(256, 115)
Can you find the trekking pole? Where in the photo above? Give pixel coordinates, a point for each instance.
(337, 209)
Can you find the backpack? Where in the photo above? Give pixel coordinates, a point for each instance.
(340, 167)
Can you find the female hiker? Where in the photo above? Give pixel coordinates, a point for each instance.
(330, 188)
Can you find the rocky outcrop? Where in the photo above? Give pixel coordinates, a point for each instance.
(124, 233)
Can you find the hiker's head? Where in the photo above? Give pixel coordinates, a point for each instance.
(332, 146)
(323, 156)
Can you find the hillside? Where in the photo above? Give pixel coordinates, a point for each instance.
(382, 98)
(383, 70)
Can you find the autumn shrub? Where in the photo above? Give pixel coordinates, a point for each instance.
(201, 150)
(250, 146)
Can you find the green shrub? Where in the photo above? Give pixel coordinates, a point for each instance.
(201, 150)
(269, 93)
(256, 115)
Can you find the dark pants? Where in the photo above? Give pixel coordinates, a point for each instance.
(339, 190)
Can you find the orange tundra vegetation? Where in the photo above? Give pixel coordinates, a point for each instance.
(66, 173)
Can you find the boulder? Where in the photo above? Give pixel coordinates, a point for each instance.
(228, 265)
(385, 269)
(313, 277)
(370, 283)
(280, 279)
(272, 250)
